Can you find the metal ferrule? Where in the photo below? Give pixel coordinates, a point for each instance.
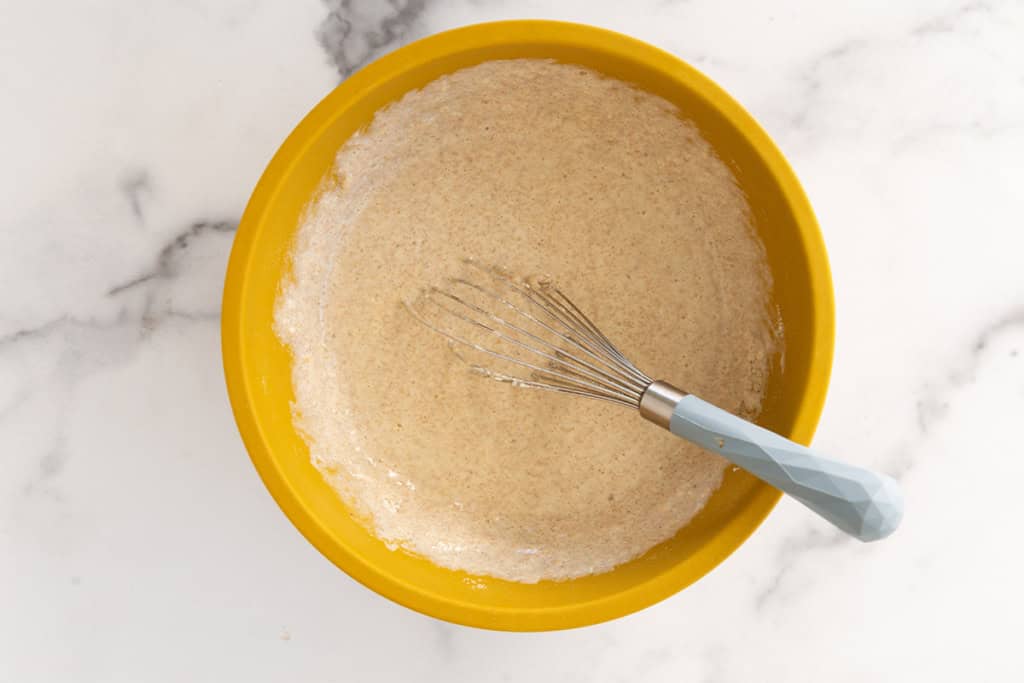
(659, 401)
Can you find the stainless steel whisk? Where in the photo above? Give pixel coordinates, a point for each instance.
(529, 333)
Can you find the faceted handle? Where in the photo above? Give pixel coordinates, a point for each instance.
(862, 503)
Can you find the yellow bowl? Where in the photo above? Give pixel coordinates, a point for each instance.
(258, 367)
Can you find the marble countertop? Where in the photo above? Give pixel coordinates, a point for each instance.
(137, 542)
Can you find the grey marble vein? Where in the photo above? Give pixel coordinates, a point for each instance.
(715, 656)
(812, 79)
(975, 129)
(30, 333)
(136, 186)
(79, 346)
(650, 662)
(75, 349)
(22, 394)
(78, 349)
(947, 22)
(1012, 320)
(169, 258)
(791, 552)
(933, 405)
(445, 634)
(822, 75)
(355, 32)
(55, 458)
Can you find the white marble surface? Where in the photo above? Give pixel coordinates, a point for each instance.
(136, 541)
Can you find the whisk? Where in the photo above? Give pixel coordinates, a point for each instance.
(527, 332)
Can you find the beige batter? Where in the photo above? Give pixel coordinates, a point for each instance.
(540, 168)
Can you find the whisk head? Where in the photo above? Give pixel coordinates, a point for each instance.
(527, 332)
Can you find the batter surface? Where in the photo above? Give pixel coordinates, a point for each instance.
(540, 168)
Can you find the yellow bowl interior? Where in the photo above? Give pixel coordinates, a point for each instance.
(258, 367)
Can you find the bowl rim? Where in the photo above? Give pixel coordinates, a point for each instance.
(475, 36)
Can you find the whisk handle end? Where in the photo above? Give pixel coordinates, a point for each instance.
(864, 504)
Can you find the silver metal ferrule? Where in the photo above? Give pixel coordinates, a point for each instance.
(659, 401)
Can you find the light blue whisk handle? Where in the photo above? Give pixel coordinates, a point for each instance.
(864, 504)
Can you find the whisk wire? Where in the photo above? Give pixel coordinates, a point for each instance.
(610, 372)
(562, 308)
(557, 313)
(547, 335)
(596, 380)
(596, 336)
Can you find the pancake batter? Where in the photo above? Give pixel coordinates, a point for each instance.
(540, 168)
